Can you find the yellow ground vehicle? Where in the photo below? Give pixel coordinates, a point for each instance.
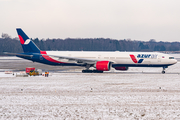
(33, 72)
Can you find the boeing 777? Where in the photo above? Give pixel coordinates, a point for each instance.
(100, 61)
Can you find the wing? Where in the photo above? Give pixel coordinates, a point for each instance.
(74, 59)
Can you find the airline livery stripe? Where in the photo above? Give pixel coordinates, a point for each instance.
(48, 58)
(140, 61)
(133, 58)
(21, 39)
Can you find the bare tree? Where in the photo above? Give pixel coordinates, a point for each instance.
(5, 35)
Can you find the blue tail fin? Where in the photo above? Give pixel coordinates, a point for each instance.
(27, 45)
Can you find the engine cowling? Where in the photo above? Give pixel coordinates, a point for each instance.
(103, 65)
(122, 68)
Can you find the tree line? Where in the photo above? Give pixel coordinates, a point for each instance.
(8, 44)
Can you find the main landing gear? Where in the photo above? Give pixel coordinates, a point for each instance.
(91, 71)
(163, 71)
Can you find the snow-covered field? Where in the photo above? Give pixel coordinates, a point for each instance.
(139, 93)
(106, 96)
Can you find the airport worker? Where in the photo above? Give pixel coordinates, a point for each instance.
(47, 74)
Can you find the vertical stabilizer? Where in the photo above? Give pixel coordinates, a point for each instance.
(27, 45)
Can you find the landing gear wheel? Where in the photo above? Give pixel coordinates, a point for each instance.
(91, 71)
(163, 71)
(97, 71)
(86, 71)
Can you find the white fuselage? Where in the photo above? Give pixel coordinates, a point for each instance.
(122, 58)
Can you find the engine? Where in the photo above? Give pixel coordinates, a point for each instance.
(103, 65)
(121, 68)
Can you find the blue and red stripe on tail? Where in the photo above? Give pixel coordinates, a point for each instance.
(30, 47)
(27, 45)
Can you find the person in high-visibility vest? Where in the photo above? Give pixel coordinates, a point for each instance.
(47, 74)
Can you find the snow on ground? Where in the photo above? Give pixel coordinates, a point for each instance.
(140, 93)
(107, 96)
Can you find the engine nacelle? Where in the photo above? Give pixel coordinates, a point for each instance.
(103, 65)
(122, 68)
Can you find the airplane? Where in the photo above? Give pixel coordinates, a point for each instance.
(100, 61)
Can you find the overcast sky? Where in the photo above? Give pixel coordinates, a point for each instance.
(116, 19)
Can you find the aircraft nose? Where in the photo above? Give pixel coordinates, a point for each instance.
(175, 61)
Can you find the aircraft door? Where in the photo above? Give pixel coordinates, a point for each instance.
(100, 57)
(159, 58)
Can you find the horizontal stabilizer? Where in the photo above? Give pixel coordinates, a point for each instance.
(18, 54)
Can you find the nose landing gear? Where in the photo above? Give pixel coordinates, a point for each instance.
(163, 71)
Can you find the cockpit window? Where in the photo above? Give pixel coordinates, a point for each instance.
(171, 57)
